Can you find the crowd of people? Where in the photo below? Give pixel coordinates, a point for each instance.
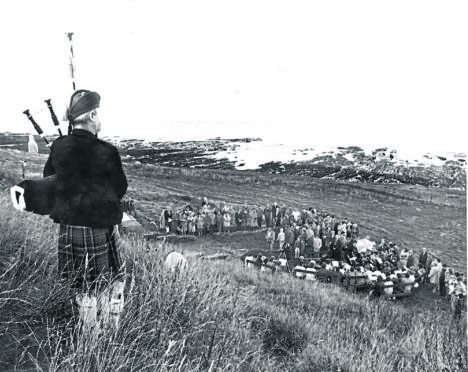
(223, 218)
(316, 241)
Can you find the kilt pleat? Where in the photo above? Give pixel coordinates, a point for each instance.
(89, 254)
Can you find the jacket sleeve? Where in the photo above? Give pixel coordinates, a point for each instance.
(48, 168)
(117, 176)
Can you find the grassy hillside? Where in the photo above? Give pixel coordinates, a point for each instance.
(391, 212)
(217, 316)
(220, 316)
(412, 216)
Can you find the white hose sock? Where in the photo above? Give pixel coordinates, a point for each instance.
(87, 308)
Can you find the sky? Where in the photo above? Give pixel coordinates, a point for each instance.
(375, 73)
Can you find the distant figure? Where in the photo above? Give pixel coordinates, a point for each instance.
(253, 218)
(32, 145)
(411, 259)
(317, 244)
(434, 274)
(204, 204)
(219, 221)
(131, 207)
(167, 219)
(175, 262)
(259, 216)
(281, 238)
(408, 282)
(267, 214)
(423, 258)
(270, 238)
(458, 295)
(227, 222)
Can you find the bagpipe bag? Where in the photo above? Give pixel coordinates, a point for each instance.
(35, 196)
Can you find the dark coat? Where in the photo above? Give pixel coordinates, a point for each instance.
(259, 213)
(275, 211)
(423, 259)
(267, 213)
(167, 215)
(90, 180)
(238, 217)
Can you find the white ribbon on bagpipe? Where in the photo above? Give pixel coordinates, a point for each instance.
(17, 198)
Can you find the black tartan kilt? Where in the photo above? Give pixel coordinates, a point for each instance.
(89, 255)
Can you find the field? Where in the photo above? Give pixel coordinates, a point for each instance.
(219, 316)
(396, 214)
(411, 216)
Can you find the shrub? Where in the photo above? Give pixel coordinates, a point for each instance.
(283, 337)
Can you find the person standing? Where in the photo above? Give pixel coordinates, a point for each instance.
(183, 221)
(212, 215)
(317, 244)
(90, 183)
(299, 246)
(227, 222)
(404, 254)
(281, 238)
(219, 221)
(423, 258)
(259, 216)
(206, 222)
(246, 218)
(275, 215)
(191, 224)
(340, 246)
(267, 214)
(290, 236)
(442, 291)
(326, 241)
(238, 219)
(459, 295)
(168, 219)
(204, 204)
(270, 238)
(434, 276)
(253, 218)
(200, 223)
(411, 260)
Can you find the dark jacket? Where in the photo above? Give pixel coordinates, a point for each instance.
(167, 215)
(423, 259)
(90, 180)
(238, 218)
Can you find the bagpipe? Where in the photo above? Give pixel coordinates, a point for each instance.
(37, 195)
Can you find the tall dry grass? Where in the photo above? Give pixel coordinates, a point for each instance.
(215, 316)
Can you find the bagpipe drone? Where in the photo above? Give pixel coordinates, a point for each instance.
(37, 195)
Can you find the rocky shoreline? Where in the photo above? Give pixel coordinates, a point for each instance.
(352, 163)
(366, 168)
